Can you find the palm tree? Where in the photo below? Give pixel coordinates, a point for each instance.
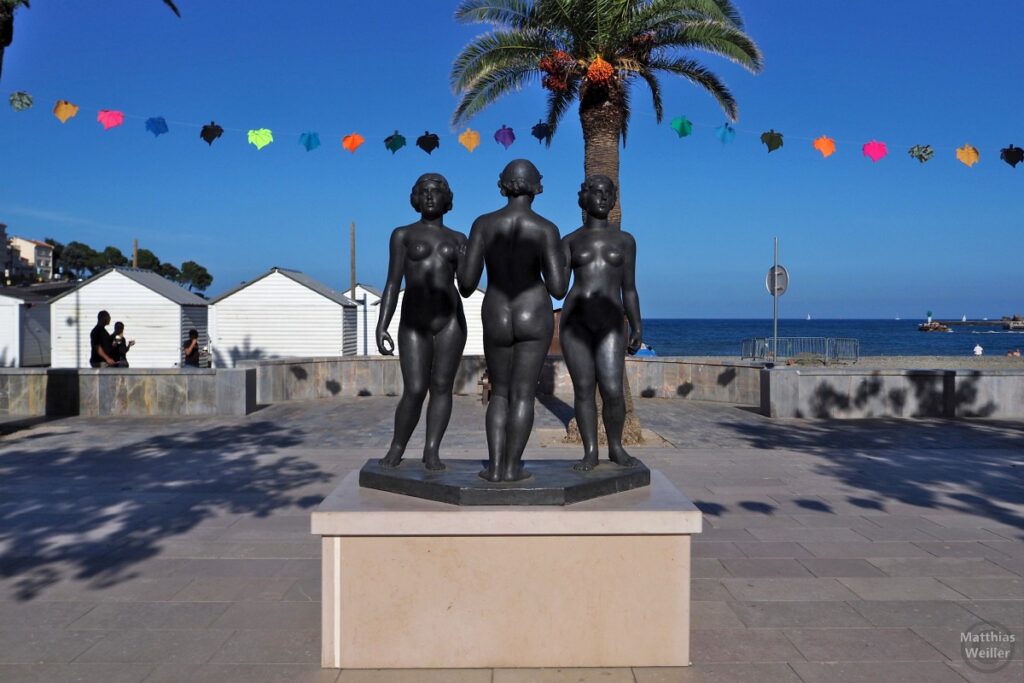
(592, 51)
(7, 8)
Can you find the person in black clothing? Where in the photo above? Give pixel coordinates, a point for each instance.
(191, 349)
(121, 346)
(101, 353)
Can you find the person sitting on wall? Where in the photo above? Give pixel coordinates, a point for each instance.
(120, 345)
(101, 348)
(191, 349)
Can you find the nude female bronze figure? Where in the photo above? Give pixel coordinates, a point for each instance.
(432, 329)
(522, 253)
(603, 261)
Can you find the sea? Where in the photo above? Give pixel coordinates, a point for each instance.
(686, 337)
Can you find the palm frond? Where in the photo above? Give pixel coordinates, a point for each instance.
(559, 103)
(498, 50)
(514, 14)
(490, 86)
(624, 108)
(170, 4)
(696, 73)
(714, 37)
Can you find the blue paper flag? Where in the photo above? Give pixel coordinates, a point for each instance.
(310, 141)
(156, 125)
(725, 132)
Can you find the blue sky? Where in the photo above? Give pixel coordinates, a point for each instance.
(859, 239)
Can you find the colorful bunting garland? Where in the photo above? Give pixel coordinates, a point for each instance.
(64, 110)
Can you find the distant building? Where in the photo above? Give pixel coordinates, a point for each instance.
(280, 314)
(157, 314)
(366, 298)
(35, 257)
(474, 324)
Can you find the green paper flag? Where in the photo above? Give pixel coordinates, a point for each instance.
(682, 126)
(260, 137)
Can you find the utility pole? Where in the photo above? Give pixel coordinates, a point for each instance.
(135, 253)
(352, 257)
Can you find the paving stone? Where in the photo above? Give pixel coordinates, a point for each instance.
(712, 534)
(710, 590)
(866, 549)
(416, 675)
(151, 615)
(829, 520)
(715, 550)
(1007, 612)
(719, 672)
(962, 534)
(754, 590)
(235, 589)
(272, 646)
(966, 549)
(901, 521)
(73, 673)
(1011, 548)
(900, 613)
(777, 549)
(1013, 673)
(940, 566)
(704, 614)
(861, 645)
(562, 676)
(244, 673)
(833, 568)
(163, 646)
(899, 588)
(765, 568)
(988, 588)
(895, 534)
(948, 640)
(43, 645)
(42, 615)
(129, 590)
(807, 535)
(876, 672)
(707, 568)
(1012, 564)
(309, 590)
(270, 615)
(798, 614)
(741, 645)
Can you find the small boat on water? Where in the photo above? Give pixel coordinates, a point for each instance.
(808, 316)
(933, 326)
(645, 350)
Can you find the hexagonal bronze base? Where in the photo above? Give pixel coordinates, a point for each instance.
(551, 482)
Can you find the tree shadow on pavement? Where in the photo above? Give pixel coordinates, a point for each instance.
(86, 513)
(946, 466)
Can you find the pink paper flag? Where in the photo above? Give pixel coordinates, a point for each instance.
(875, 150)
(110, 119)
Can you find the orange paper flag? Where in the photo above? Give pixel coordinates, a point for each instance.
(968, 155)
(469, 139)
(825, 145)
(64, 110)
(352, 141)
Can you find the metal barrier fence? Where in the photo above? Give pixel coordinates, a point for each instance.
(825, 349)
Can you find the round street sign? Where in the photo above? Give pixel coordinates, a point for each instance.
(777, 280)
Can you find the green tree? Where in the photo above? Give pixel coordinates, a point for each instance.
(111, 256)
(78, 258)
(592, 52)
(170, 271)
(7, 8)
(148, 260)
(194, 276)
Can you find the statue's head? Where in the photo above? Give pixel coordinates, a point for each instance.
(597, 195)
(426, 182)
(519, 178)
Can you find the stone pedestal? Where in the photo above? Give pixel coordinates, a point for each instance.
(413, 583)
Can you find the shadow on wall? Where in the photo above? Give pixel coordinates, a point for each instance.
(938, 465)
(91, 514)
(933, 395)
(237, 354)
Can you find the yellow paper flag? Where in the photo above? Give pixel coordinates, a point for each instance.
(64, 110)
(469, 139)
(968, 155)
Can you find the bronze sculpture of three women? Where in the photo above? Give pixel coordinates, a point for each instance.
(527, 264)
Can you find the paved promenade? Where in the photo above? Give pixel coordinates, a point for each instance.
(179, 550)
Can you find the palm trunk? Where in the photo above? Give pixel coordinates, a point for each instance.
(601, 114)
(6, 32)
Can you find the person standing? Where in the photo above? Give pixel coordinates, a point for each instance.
(191, 349)
(101, 349)
(120, 345)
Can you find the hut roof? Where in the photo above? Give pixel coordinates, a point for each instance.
(297, 276)
(150, 280)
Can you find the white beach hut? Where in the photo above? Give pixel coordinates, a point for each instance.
(474, 324)
(157, 314)
(366, 298)
(24, 329)
(282, 313)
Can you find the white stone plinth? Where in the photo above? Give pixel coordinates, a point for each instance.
(412, 583)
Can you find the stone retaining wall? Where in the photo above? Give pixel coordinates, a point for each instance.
(849, 393)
